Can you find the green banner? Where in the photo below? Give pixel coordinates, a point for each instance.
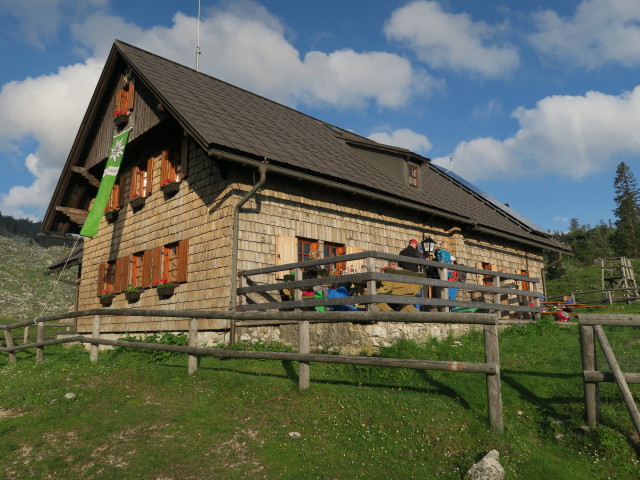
(92, 223)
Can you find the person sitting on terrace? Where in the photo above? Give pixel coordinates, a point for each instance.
(315, 271)
(410, 251)
(566, 303)
(392, 265)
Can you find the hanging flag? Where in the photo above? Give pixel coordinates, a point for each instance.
(92, 223)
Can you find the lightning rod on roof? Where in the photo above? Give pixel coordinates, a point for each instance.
(198, 41)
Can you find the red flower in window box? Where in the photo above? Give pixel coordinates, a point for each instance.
(163, 282)
(169, 187)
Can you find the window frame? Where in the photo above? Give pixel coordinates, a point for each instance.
(413, 175)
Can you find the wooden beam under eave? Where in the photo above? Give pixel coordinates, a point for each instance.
(76, 215)
(87, 175)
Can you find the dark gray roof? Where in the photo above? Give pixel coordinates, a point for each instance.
(220, 115)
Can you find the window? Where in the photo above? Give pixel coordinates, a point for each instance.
(140, 269)
(174, 162)
(413, 175)
(169, 262)
(305, 247)
(116, 200)
(334, 250)
(125, 96)
(141, 179)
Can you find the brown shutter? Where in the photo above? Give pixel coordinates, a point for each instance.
(131, 94)
(121, 190)
(184, 157)
(164, 170)
(156, 267)
(120, 275)
(133, 182)
(125, 272)
(183, 260)
(101, 270)
(149, 175)
(145, 282)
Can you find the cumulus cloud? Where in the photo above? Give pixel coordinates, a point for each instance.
(454, 41)
(599, 32)
(39, 21)
(567, 136)
(405, 138)
(241, 42)
(56, 105)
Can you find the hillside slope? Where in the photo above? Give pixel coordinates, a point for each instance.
(25, 291)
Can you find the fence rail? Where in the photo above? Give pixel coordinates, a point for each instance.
(490, 367)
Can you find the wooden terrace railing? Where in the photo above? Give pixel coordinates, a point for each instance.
(261, 289)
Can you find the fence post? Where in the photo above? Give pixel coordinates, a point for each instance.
(444, 291)
(95, 333)
(8, 338)
(40, 338)
(304, 375)
(192, 364)
(591, 389)
(25, 335)
(494, 389)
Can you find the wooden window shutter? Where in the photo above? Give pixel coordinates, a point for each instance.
(131, 94)
(183, 260)
(149, 175)
(145, 281)
(286, 250)
(184, 157)
(121, 279)
(120, 190)
(101, 270)
(164, 175)
(156, 267)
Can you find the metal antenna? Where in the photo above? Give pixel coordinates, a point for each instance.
(198, 41)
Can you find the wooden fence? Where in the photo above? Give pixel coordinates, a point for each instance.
(490, 367)
(262, 289)
(590, 331)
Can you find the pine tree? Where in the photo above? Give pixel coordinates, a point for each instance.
(627, 212)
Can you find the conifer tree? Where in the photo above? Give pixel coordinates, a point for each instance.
(627, 212)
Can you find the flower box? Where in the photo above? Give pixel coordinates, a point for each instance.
(106, 300)
(111, 215)
(170, 188)
(120, 120)
(132, 296)
(137, 202)
(165, 291)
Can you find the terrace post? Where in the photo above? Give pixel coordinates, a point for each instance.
(8, 338)
(40, 338)
(589, 364)
(95, 333)
(192, 363)
(371, 284)
(494, 390)
(304, 374)
(444, 292)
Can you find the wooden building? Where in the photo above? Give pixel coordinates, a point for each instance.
(216, 179)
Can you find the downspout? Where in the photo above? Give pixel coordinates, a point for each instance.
(262, 169)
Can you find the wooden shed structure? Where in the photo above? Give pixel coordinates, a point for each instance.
(216, 179)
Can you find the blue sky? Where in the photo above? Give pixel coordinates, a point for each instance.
(535, 101)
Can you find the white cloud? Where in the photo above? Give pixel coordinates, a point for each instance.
(447, 40)
(565, 136)
(253, 53)
(600, 31)
(56, 103)
(39, 21)
(404, 138)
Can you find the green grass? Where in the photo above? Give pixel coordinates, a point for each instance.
(133, 418)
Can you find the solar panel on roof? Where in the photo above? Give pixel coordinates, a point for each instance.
(489, 199)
